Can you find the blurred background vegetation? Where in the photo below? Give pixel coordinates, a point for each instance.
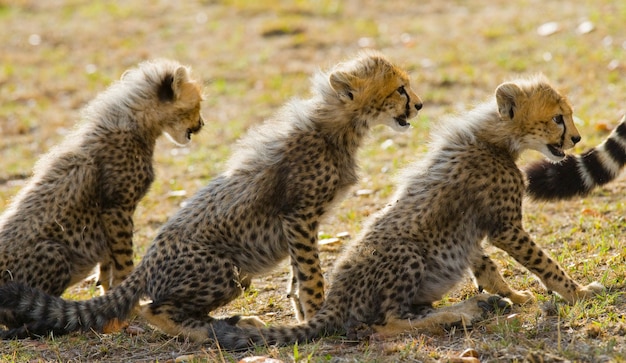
(252, 57)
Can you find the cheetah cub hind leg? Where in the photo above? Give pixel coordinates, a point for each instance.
(462, 315)
(488, 278)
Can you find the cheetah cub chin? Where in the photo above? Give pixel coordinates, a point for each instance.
(282, 179)
(466, 190)
(76, 211)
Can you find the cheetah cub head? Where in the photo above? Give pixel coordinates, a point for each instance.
(177, 98)
(376, 91)
(541, 117)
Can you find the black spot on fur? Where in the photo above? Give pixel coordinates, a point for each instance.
(165, 91)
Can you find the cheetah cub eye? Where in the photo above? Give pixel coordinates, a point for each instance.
(558, 119)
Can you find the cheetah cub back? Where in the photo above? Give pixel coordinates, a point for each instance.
(466, 190)
(283, 178)
(76, 211)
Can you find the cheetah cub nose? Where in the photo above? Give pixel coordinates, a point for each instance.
(575, 139)
(418, 106)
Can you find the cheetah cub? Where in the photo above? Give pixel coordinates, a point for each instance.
(76, 211)
(283, 178)
(421, 245)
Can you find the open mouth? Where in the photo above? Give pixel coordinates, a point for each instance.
(556, 150)
(194, 130)
(402, 121)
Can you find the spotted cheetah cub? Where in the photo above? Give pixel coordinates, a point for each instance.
(420, 246)
(283, 178)
(76, 211)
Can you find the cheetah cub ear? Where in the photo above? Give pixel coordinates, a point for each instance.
(341, 83)
(181, 76)
(171, 88)
(506, 95)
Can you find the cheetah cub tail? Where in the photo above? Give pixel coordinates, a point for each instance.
(43, 314)
(233, 337)
(579, 174)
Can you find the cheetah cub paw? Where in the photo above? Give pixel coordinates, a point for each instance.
(478, 307)
(494, 304)
(250, 321)
(591, 290)
(522, 297)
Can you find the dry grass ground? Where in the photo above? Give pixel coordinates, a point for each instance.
(252, 56)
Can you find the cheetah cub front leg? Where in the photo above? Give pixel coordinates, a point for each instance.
(519, 245)
(306, 285)
(292, 293)
(306, 292)
(105, 278)
(118, 264)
